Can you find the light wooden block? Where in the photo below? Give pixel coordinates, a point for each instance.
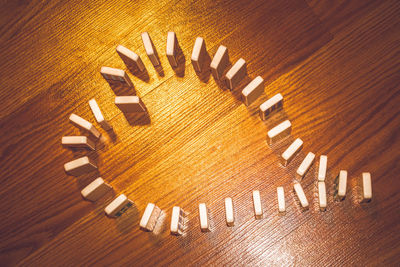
(199, 54)
(272, 104)
(84, 125)
(99, 115)
(367, 187)
(300, 195)
(291, 151)
(118, 206)
(279, 132)
(150, 49)
(177, 221)
(172, 47)
(95, 190)
(322, 196)
(281, 199)
(129, 104)
(236, 73)
(220, 62)
(253, 90)
(130, 57)
(116, 75)
(78, 142)
(150, 217)
(204, 222)
(258, 211)
(229, 215)
(323, 165)
(305, 165)
(341, 185)
(80, 166)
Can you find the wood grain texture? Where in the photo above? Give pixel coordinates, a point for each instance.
(336, 64)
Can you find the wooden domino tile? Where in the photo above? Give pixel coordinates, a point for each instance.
(229, 214)
(177, 221)
(115, 75)
(130, 58)
(258, 211)
(84, 125)
(118, 206)
(129, 104)
(291, 151)
(199, 54)
(272, 104)
(78, 142)
(253, 90)
(322, 168)
(300, 195)
(204, 221)
(150, 217)
(80, 166)
(99, 115)
(322, 196)
(305, 165)
(281, 199)
(95, 190)
(172, 45)
(366, 187)
(341, 185)
(236, 73)
(219, 62)
(150, 49)
(279, 132)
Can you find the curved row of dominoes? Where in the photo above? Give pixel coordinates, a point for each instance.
(133, 104)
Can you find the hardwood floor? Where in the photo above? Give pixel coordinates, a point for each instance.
(336, 64)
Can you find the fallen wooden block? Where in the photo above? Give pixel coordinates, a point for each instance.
(78, 142)
(258, 212)
(98, 115)
(305, 165)
(279, 132)
(84, 125)
(115, 75)
(118, 206)
(323, 163)
(253, 90)
(150, 217)
(281, 199)
(204, 222)
(150, 49)
(322, 196)
(80, 166)
(272, 104)
(341, 185)
(230, 219)
(130, 104)
(236, 73)
(177, 221)
(300, 195)
(130, 58)
(291, 151)
(220, 62)
(95, 190)
(366, 187)
(199, 54)
(172, 49)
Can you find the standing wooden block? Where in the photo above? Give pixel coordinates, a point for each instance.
(130, 58)
(220, 62)
(204, 222)
(291, 151)
(78, 142)
(258, 211)
(172, 47)
(84, 125)
(150, 217)
(322, 196)
(253, 90)
(300, 195)
(98, 115)
(236, 73)
(115, 75)
(341, 185)
(177, 221)
(130, 104)
(150, 49)
(230, 219)
(323, 164)
(367, 187)
(95, 190)
(118, 206)
(305, 165)
(272, 104)
(281, 199)
(279, 132)
(80, 166)
(199, 54)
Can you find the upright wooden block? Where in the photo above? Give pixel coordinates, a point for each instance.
(291, 151)
(279, 132)
(341, 185)
(229, 215)
(115, 75)
(281, 199)
(177, 221)
(272, 104)
(236, 73)
(84, 125)
(305, 165)
(199, 54)
(150, 217)
(220, 62)
(98, 115)
(204, 222)
(323, 165)
(300, 195)
(130, 58)
(172, 47)
(130, 104)
(367, 187)
(258, 211)
(80, 166)
(118, 206)
(150, 49)
(78, 142)
(95, 190)
(253, 90)
(322, 196)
